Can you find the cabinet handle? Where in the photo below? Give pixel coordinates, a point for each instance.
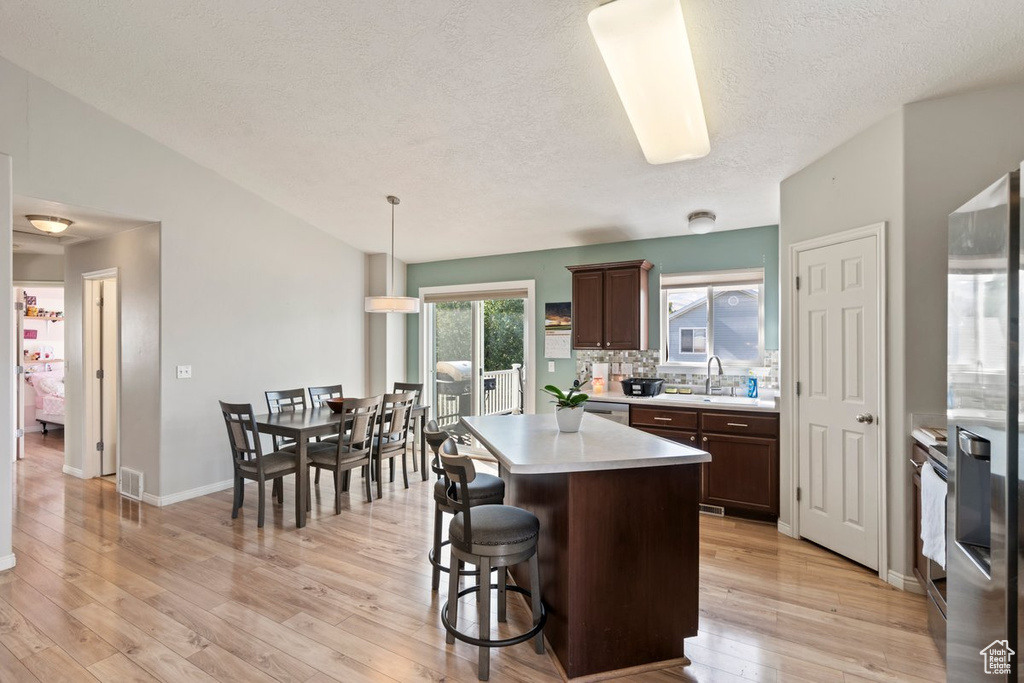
(705, 439)
(917, 465)
(693, 438)
(607, 343)
(663, 419)
(735, 424)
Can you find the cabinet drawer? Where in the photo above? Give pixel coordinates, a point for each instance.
(745, 424)
(662, 418)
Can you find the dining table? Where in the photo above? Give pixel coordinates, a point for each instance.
(304, 425)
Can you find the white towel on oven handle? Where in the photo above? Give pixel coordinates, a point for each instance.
(933, 514)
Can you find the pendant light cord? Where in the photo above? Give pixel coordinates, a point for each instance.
(391, 291)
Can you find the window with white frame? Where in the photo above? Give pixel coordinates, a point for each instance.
(719, 313)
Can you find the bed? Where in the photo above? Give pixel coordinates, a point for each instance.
(49, 388)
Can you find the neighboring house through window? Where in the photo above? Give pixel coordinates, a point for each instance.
(732, 327)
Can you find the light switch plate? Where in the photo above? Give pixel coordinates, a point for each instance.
(551, 366)
(184, 372)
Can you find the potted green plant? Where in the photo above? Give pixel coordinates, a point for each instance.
(568, 406)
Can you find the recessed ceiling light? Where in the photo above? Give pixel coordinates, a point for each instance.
(647, 52)
(50, 224)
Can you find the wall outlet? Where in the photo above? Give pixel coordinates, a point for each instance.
(551, 366)
(184, 372)
(627, 369)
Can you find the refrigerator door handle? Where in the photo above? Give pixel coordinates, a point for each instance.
(974, 446)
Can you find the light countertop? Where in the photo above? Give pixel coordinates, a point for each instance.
(532, 444)
(691, 401)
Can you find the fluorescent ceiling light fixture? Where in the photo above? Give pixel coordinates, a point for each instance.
(392, 303)
(51, 224)
(647, 53)
(701, 222)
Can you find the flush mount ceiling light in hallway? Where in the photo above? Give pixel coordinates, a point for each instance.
(701, 222)
(50, 224)
(647, 52)
(391, 303)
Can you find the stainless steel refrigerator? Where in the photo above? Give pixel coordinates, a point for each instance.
(983, 374)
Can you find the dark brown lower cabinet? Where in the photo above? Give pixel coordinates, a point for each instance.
(743, 474)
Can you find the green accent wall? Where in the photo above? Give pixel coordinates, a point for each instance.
(749, 248)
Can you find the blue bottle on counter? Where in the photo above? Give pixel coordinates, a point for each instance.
(751, 387)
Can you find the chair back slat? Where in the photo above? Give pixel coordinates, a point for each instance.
(394, 426)
(406, 387)
(362, 413)
(290, 400)
(243, 436)
(319, 395)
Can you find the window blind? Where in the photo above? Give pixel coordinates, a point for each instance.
(479, 295)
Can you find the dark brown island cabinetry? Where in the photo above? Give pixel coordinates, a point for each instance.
(609, 305)
(743, 475)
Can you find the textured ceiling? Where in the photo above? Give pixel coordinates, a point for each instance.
(496, 122)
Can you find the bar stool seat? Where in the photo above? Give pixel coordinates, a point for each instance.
(496, 525)
(486, 489)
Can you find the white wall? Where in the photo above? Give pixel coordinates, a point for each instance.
(250, 296)
(38, 268)
(7, 377)
(857, 184)
(136, 255)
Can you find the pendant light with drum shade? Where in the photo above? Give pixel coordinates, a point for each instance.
(391, 303)
(48, 224)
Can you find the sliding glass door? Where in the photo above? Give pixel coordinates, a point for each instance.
(477, 347)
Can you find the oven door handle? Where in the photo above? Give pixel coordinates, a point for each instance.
(974, 446)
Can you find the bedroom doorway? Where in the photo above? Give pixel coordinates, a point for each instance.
(39, 347)
(101, 341)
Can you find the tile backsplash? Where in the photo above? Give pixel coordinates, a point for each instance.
(645, 364)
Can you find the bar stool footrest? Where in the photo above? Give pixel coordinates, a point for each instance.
(488, 642)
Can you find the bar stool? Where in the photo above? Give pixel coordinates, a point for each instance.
(488, 536)
(486, 489)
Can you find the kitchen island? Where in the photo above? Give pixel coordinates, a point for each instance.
(619, 540)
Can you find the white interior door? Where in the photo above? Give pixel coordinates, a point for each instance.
(838, 358)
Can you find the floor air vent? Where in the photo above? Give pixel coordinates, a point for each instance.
(129, 483)
(716, 510)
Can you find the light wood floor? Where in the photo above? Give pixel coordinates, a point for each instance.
(107, 589)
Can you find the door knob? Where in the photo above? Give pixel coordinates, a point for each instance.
(865, 418)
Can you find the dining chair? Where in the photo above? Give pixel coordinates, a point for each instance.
(393, 437)
(416, 387)
(355, 449)
(249, 460)
(318, 398)
(289, 400)
(319, 395)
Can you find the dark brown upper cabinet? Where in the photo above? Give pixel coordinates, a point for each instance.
(609, 305)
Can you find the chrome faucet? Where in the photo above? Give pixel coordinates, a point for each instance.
(707, 382)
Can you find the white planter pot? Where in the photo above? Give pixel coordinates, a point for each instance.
(569, 419)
